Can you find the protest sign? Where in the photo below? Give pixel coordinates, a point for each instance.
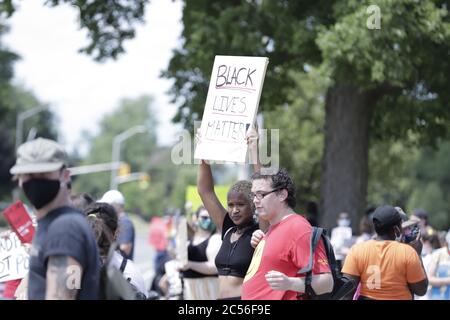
(14, 260)
(20, 221)
(231, 106)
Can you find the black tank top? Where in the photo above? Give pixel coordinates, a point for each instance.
(233, 258)
(197, 253)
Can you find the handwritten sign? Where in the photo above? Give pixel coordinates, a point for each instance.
(14, 260)
(20, 221)
(231, 106)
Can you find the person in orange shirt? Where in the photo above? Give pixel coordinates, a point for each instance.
(386, 268)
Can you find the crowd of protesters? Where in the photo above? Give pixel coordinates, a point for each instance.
(257, 247)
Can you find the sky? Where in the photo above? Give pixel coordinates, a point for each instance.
(81, 91)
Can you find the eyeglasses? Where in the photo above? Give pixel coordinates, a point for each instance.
(204, 218)
(260, 194)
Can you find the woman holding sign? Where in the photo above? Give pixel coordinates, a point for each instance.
(235, 224)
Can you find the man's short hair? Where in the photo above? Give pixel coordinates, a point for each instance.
(38, 156)
(280, 180)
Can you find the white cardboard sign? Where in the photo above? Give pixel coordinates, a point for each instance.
(14, 260)
(231, 106)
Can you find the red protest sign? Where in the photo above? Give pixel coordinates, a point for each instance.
(20, 221)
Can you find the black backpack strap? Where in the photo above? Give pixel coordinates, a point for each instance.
(123, 264)
(316, 234)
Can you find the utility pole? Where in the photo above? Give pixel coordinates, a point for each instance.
(117, 141)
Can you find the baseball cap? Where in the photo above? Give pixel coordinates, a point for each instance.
(407, 221)
(387, 216)
(113, 196)
(40, 155)
(411, 221)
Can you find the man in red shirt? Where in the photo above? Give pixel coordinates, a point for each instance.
(284, 249)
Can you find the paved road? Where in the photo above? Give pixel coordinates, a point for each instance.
(144, 254)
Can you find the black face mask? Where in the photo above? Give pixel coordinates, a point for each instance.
(41, 192)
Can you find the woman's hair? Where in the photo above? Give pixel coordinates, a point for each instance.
(433, 239)
(197, 213)
(103, 220)
(81, 201)
(244, 187)
(200, 209)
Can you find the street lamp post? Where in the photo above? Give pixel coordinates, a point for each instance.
(116, 148)
(21, 118)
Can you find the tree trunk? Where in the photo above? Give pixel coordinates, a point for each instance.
(345, 161)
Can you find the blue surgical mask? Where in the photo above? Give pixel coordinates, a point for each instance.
(206, 224)
(343, 222)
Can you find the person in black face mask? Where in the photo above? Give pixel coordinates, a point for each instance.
(64, 259)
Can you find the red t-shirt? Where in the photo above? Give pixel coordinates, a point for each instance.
(284, 248)
(158, 234)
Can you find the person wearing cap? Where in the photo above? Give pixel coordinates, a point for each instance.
(126, 228)
(386, 268)
(410, 226)
(430, 243)
(64, 260)
(439, 272)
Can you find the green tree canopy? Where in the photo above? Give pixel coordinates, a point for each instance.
(301, 136)
(108, 22)
(13, 100)
(382, 84)
(431, 184)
